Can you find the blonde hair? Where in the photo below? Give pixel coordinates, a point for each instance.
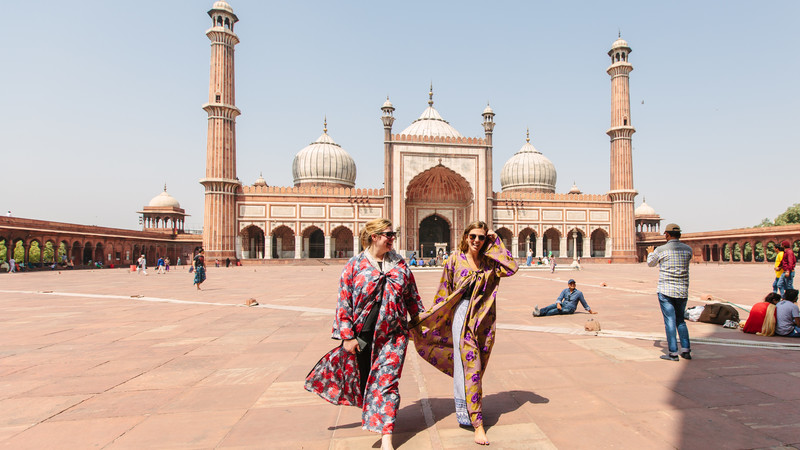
(463, 246)
(768, 327)
(374, 226)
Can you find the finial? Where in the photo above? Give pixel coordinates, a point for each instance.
(430, 95)
(619, 33)
(528, 135)
(644, 200)
(165, 186)
(325, 123)
(440, 161)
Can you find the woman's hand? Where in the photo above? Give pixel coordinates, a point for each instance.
(350, 345)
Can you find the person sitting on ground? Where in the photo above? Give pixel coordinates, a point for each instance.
(788, 315)
(413, 260)
(566, 303)
(759, 311)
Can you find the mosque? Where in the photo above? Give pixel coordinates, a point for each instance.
(436, 181)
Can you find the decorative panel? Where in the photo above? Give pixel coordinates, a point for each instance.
(342, 212)
(575, 216)
(252, 210)
(312, 211)
(551, 214)
(599, 216)
(282, 211)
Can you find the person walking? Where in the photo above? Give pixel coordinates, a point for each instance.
(457, 333)
(530, 256)
(777, 284)
(199, 266)
(673, 260)
(376, 292)
(160, 265)
(142, 263)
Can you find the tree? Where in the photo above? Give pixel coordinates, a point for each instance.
(789, 217)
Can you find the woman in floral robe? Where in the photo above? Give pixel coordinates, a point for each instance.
(462, 319)
(365, 370)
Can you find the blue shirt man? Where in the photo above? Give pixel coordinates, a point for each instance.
(566, 303)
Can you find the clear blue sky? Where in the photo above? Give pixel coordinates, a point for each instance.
(102, 100)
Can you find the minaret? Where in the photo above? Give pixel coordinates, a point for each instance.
(622, 193)
(388, 160)
(220, 182)
(488, 128)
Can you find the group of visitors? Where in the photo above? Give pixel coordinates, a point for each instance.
(775, 316)
(785, 261)
(413, 261)
(456, 334)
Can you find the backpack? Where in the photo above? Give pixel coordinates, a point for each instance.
(718, 313)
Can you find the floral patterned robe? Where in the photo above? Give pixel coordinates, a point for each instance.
(335, 377)
(433, 337)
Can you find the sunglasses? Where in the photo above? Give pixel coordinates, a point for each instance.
(479, 237)
(388, 234)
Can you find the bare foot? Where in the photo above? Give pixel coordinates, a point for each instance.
(480, 436)
(386, 442)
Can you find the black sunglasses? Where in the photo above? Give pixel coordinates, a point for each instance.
(388, 234)
(479, 237)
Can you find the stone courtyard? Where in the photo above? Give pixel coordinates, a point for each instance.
(112, 359)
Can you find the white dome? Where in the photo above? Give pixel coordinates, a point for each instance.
(644, 210)
(488, 110)
(575, 189)
(620, 43)
(430, 123)
(164, 200)
(223, 5)
(529, 170)
(324, 161)
(387, 104)
(260, 181)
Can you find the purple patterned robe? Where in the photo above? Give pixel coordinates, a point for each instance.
(335, 377)
(433, 337)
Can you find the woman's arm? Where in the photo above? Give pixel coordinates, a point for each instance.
(343, 317)
(504, 263)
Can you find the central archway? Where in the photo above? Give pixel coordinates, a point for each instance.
(433, 229)
(438, 203)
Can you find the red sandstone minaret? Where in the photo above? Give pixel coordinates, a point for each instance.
(220, 182)
(622, 193)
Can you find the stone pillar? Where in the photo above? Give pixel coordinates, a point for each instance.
(587, 247)
(562, 247)
(279, 247)
(515, 246)
(539, 246)
(267, 247)
(574, 246)
(327, 247)
(608, 247)
(298, 246)
(355, 245)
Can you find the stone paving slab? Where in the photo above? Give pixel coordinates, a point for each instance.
(112, 359)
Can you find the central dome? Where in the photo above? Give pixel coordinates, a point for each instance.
(528, 170)
(324, 162)
(430, 123)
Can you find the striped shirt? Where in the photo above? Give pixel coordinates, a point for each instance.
(673, 261)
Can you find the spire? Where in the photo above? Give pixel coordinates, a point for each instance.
(325, 125)
(528, 135)
(165, 186)
(430, 95)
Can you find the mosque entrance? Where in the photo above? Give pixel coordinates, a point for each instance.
(432, 230)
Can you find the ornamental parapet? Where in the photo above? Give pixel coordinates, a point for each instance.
(439, 139)
(314, 191)
(537, 196)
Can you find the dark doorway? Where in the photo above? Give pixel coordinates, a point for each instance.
(316, 244)
(433, 229)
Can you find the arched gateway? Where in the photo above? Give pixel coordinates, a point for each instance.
(438, 204)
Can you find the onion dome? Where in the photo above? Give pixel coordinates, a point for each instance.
(387, 103)
(620, 43)
(644, 210)
(528, 170)
(324, 162)
(430, 123)
(574, 189)
(488, 110)
(260, 181)
(164, 200)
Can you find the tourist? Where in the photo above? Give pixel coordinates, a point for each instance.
(566, 303)
(199, 266)
(413, 260)
(160, 265)
(457, 333)
(787, 264)
(12, 265)
(530, 256)
(777, 284)
(142, 265)
(178, 262)
(166, 263)
(788, 315)
(673, 260)
(71, 265)
(756, 322)
(227, 262)
(552, 264)
(376, 292)
(216, 263)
